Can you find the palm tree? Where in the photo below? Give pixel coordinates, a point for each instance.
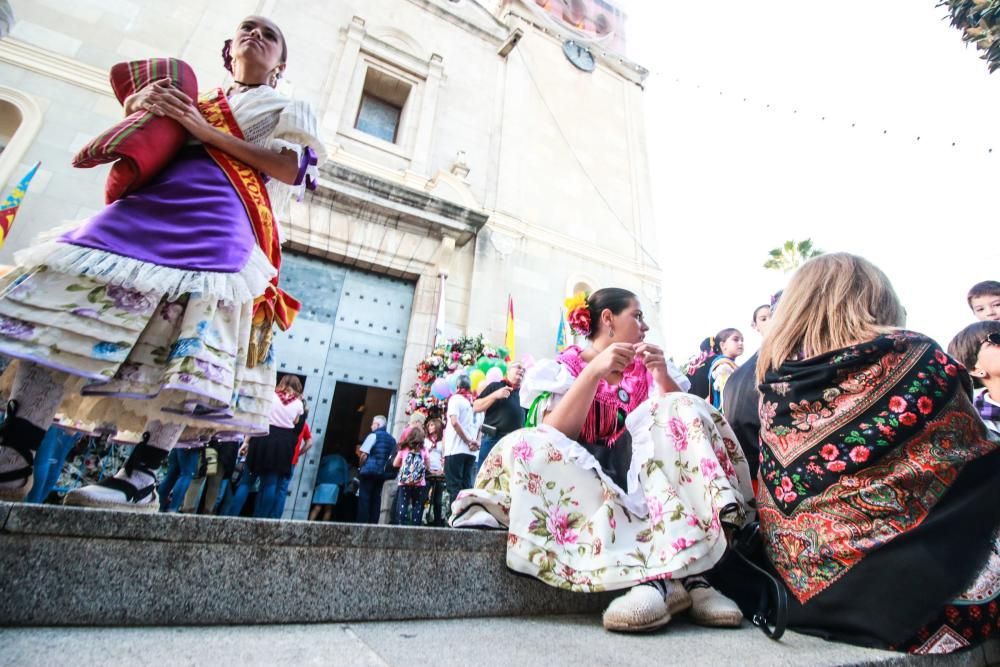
(791, 255)
(979, 21)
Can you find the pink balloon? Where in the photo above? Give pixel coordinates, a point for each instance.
(493, 375)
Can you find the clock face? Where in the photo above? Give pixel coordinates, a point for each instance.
(579, 55)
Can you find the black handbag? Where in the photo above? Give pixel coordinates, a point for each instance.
(388, 470)
(744, 576)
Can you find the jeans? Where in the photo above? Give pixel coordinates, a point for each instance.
(182, 466)
(410, 510)
(459, 473)
(267, 496)
(220, 500)
(485, 445)
(369, 498)
(279, 507)
(49, 460)
(436, 488)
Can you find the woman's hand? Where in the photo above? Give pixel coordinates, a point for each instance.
(165, 100)
(611, 361)
(653, 358)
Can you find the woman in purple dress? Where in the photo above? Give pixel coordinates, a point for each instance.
(147, 317)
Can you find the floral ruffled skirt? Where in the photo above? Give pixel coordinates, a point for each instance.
(572, 527)
(134, 355)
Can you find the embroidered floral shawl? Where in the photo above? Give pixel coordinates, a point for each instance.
(859, 447)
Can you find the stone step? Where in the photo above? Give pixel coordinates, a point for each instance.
(72, 566)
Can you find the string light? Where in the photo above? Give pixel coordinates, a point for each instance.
(772, 107)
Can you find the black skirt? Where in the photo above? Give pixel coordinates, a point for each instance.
(273, 452)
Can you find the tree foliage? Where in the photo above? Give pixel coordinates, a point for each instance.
(791, 255)
(979, 21)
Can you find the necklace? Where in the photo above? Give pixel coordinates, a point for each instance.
(249, 85)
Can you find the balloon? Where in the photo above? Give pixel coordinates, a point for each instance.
(502, 352)
(493, 375)
(527, 361)
(440, 389)
(453, 381)
(483, 364)
(476, 378)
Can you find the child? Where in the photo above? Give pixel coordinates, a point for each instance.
(978, 347)
(411, 459)
(984, 300)
(728, 346)
(434, 446)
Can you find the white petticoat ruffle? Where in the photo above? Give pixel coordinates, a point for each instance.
(240, 287)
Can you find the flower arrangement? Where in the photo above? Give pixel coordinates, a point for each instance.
(454, 355)
(578, 314)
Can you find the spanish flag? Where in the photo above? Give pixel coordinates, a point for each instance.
(508, 339)
(10, 205)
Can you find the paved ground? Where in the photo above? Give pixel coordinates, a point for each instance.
(525, 642)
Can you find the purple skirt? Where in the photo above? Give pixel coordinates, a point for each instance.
(189, 217)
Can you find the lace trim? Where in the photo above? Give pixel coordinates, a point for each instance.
(240, 287)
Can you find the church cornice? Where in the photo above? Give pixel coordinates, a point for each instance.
(55, 65)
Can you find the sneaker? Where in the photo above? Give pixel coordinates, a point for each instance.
(711, 608)
(679, 600)
(642, 609)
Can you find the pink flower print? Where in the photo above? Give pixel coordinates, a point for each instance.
(598, 546)
(534, 483)
(859, 454)
(715, 527)
(679, 432)
(612, 522)
(940, 357)
(897, 404)
(692, 521)
(836, 466)
(681, 543)
(512, 539)
(523, 451)
(559, 527)
(709, 468)
(786, 484)
(553, 454)
(829, 452)
(655, 509)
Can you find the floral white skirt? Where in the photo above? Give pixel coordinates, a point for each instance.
(134, 355)
(572, 527)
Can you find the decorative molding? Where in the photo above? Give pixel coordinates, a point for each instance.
(63, 68)
(31, 122)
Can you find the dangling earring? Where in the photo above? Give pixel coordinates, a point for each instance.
(611, 332)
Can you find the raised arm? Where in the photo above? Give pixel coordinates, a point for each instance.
(570, 413)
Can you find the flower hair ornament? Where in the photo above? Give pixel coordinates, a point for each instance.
(578, 314)
(227, 55)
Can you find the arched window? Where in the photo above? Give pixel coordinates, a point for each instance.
(20, 120)
(10, 120)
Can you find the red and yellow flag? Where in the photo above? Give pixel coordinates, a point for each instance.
(508, 339)
(13, 202)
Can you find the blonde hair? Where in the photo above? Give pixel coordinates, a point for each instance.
(833, 301)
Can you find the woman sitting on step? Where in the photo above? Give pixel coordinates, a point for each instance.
(879, 501)
(625, 483)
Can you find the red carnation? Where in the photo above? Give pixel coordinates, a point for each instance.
(907, 419)
(951, 370)
(829, 452)
(925, 405)
(859, 454)
(579, 321)
(897, 404)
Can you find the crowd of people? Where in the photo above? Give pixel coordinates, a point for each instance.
(856, 450)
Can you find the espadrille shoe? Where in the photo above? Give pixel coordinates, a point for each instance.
(642, 609)
(711, 608)
(679, 600)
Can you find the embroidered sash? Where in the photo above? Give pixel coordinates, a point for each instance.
(274, 306)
